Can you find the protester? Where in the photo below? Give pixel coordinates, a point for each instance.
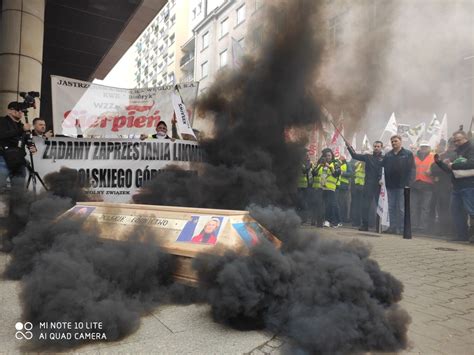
(303, 192)
(372, 175)
(422, 188)
(462, 177)
(316, 202)
(328, 171)
(400, 171)
(39, 129)
(357, 186)
(442, 190)
(342, 190)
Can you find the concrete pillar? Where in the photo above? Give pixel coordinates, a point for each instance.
(21, 50)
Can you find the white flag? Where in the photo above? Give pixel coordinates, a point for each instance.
(183, 125)
(415, 132)
(366, 144)
(382, 207)
(354, 141)
(390, 129)
(403, 130)
(436, 130)
(444, 128)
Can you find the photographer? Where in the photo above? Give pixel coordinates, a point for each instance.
(14, 136)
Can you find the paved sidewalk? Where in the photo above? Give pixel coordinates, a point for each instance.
(439, 295)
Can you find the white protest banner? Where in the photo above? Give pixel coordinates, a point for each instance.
(113, 170)
(108, 112)
(182, 119)
(382, 207)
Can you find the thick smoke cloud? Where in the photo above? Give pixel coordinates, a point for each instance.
(69, 274)
(326, 297)
(249, 159)
(413, 58)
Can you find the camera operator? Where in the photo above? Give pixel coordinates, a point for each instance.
(14, 135)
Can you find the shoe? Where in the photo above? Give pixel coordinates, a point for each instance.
(339, 224)
(334, 225)
(326, 224)
(364, 228)
(390, 231)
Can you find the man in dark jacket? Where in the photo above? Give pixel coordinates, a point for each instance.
(400, 171)
(11, 137)
(442, 191)
(373, 174)
(462, 177)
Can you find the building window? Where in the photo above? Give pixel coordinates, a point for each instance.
(205, 40)
(223, 58)
(241, 14)
(224, 27)
(204, 69)
(336, 30)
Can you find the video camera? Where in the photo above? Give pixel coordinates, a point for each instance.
(29, 100)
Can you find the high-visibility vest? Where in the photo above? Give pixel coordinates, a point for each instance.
(422, 167)
(316, 178)
(303, 180)
(325, 178)
(342, 179)
(359, 173)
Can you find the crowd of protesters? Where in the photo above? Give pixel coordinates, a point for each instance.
(333, 191)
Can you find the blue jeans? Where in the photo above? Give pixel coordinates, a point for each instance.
(462, 204)
(17, 180)
(396, 209)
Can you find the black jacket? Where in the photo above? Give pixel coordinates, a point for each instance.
(373, 166)
(400, 169)
(11, 132)
(466, 151)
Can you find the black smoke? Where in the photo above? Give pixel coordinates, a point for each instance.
(249, 159)
(325, 297)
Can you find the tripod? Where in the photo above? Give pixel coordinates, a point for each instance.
(32, 174)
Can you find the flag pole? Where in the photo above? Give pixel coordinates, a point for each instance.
(338, 131)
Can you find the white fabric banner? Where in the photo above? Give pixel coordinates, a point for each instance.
(113, 170)
(382, 207)
(100, 111)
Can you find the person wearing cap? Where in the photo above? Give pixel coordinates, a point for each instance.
(12, 138)
(422, 188)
